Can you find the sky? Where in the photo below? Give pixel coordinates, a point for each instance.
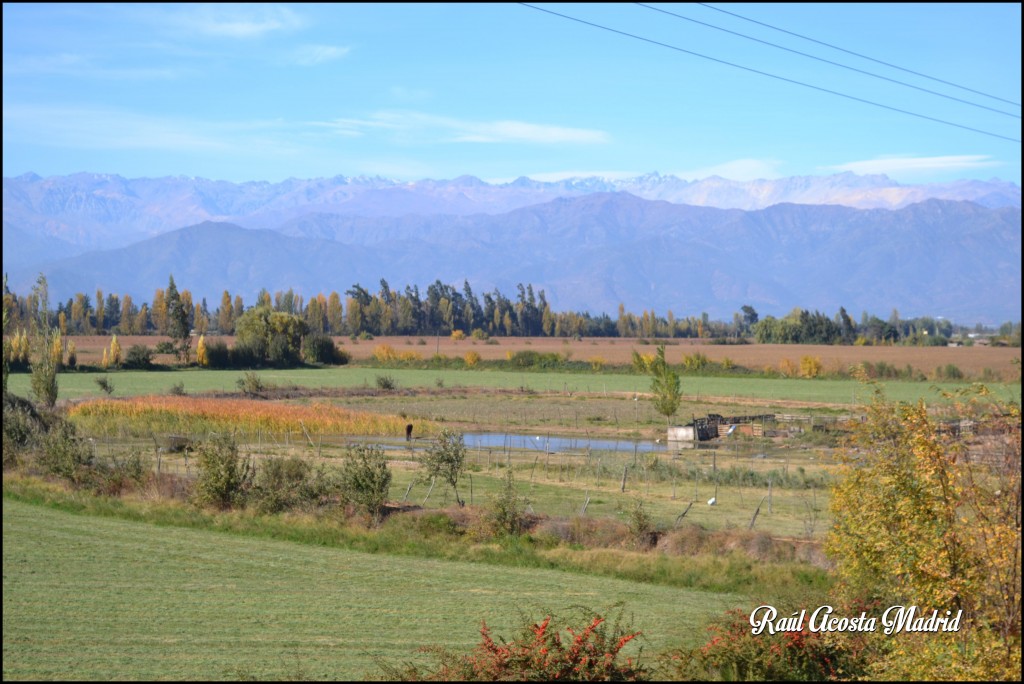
(498, 91)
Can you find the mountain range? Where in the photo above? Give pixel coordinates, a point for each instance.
(590, 244)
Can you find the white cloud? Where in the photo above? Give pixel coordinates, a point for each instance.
(896, 165)
(520, 132)
(737, 170)
(235, 21)
(86, 128)
(555, 176)
(311, 55)
(416, 127)
(80, 66)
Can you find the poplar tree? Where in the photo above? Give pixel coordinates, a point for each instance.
(177, 322)
(665, 385)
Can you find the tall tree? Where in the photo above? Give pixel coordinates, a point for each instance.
(225, 319)
(665, 385)
(44, 365)
(335, 314)
(177, 321)
(100, 323)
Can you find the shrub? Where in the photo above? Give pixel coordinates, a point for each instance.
(506, 514)
(248, 354)
(177, 389)
(543, 651)
(386, 382)
(810, 366)
(641, 527)
(365, 479)
(105, 384)
(446, 459)
(23, 427)
(251, 384)
(695, 362)
(734, 653)
(218, 355)
(281, 484)
(384, 353)
(318, 348)
(224, 476)
(471, 358)
(63, 454)
(949, 372)
(479, 334)
(139, 357)
(458, 335)
(166, 347)
(281, 352)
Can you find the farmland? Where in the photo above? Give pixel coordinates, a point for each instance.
(166, 603)
(618, 352)
(282, 596)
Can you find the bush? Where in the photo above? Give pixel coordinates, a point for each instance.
(251, 383)
(318, 348)
(224, 476)
(641, 528)
(544, 651)
(218, 355)
(139, 357)
(281, 353)
(506, 514)
(386, 382)
(23, 427)
(248, 354)
(105, 385)
(63, 453)
(285, 483)
(166, 347)
(734, 653)
(365, 479)
(446, 460)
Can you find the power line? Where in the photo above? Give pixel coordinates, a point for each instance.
(827, 61)
(764, 73)
(857, 54)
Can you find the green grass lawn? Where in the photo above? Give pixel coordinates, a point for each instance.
(98, 598)
(128, 383)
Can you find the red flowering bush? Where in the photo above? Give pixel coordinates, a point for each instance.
(542, 652)
(734, 653)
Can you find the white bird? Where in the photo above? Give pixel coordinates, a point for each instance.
(712, 501)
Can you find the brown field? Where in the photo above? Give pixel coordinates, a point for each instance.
(616, 351)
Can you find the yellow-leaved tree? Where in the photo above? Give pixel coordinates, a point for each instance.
(927, 514)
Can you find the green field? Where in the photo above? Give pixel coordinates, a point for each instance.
(98, 598)
(129, 383)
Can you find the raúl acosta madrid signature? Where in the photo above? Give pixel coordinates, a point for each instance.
(822, 619)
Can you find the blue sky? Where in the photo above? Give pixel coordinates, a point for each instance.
(498, 91)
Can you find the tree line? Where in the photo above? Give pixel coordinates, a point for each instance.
(444, 310)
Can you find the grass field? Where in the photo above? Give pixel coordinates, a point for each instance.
(96, 598)
(79, 385)
(618, 351)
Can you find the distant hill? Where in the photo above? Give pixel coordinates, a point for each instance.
(592, 252)
(100, 211)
